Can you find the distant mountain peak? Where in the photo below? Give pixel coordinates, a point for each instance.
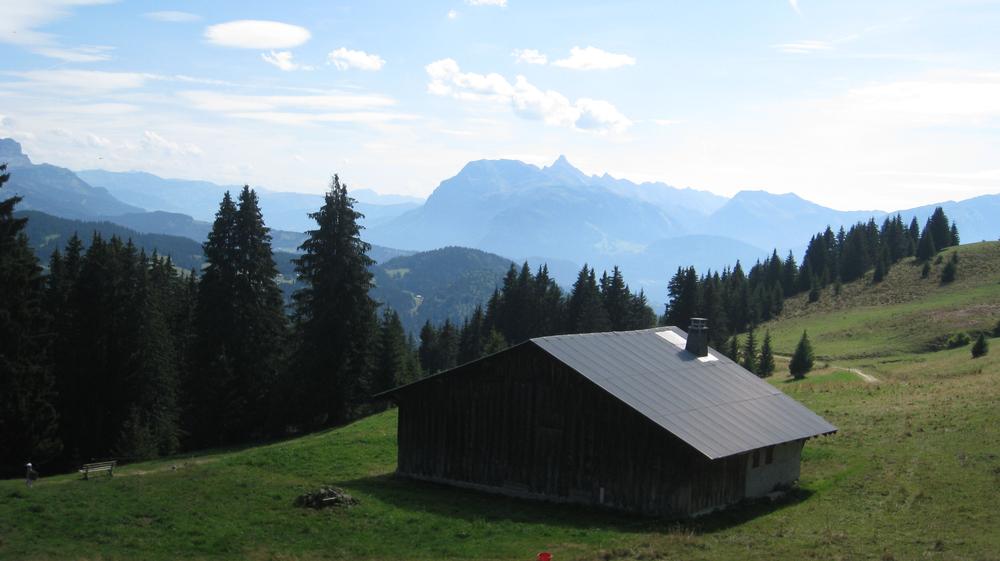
(563, 170)
(11, 153)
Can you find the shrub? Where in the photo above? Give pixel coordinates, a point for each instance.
(958, 340)
(996, 329)
(981, 347)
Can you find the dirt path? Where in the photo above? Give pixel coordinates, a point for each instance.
(866, 377)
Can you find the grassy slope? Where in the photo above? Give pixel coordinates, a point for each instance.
(903, 314)
(913, 473)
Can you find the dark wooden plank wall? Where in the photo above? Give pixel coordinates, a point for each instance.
(525, 424)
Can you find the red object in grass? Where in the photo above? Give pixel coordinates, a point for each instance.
(545, 556)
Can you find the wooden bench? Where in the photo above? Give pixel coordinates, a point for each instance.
(98, 467)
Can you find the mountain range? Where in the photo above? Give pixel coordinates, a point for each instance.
(554, 214)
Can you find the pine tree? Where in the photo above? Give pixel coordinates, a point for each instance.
(802, 359)
(472, 337)
(765, 366)
(584, 309)
(392, 364)
(750, 352)
(494, 343)
(733, 351)
(428, 351)
(955, 239)
(926, 248)
(980, 347)
(333, 314)
(949, 270)
(28, 418)
(240, 324)
(447, 346)
(940, 230)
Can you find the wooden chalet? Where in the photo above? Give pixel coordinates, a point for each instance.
(649, 421)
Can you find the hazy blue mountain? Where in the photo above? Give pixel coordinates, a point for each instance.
(375, 198)
(783, 221)
(517, 209)
(200, 199)
(54, 189)
(445, 283)
(176, 224)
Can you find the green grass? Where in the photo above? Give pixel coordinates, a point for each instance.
(904, 314)
(912, 474)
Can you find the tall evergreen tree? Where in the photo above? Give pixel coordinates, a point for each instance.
(241, 325)
(765, 366)
(333, 314)
(392, 361)
(750, 352)
(28, 418)
(584, 310)
(926, 248)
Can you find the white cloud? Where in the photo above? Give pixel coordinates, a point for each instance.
(497, 3)
(21, 22)
(344, 59)
(804, 47)
(666, 122)
(223, 102)
(283, 60)
(452, 14)
(795, 5)
(970, 99)
(529, 56)
(299, 109)
(82, 81)
(592, 58)
(257, 34)
(170, 16)
(154, 141)
(525, 99)
(83, 53)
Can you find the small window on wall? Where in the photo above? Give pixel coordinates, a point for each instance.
(769, 455)
(756, 458)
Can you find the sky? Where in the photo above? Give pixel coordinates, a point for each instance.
(851, 104)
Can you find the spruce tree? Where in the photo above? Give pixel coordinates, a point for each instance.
(802, 359)
(927, 247)
(428, 351)
(733, 351)
(333, 314)
(392, 365)
(750, 352)
(28, 418)
(240, 324)
(494, 343)
(765, 366)
(472, 337)
(980, 347)
(585, 311)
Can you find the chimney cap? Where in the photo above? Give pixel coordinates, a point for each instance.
(698, 323)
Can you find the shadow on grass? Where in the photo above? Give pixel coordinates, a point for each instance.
(438, 499)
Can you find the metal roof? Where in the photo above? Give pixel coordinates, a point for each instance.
(711, 403)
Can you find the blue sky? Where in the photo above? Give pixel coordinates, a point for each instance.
(885, 104)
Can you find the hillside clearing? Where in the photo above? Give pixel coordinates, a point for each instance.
(912, 472)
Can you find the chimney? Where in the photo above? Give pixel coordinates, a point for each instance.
(697, 339)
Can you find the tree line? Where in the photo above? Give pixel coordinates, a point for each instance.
(116, 353)
(529, 305)
(735, 301)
